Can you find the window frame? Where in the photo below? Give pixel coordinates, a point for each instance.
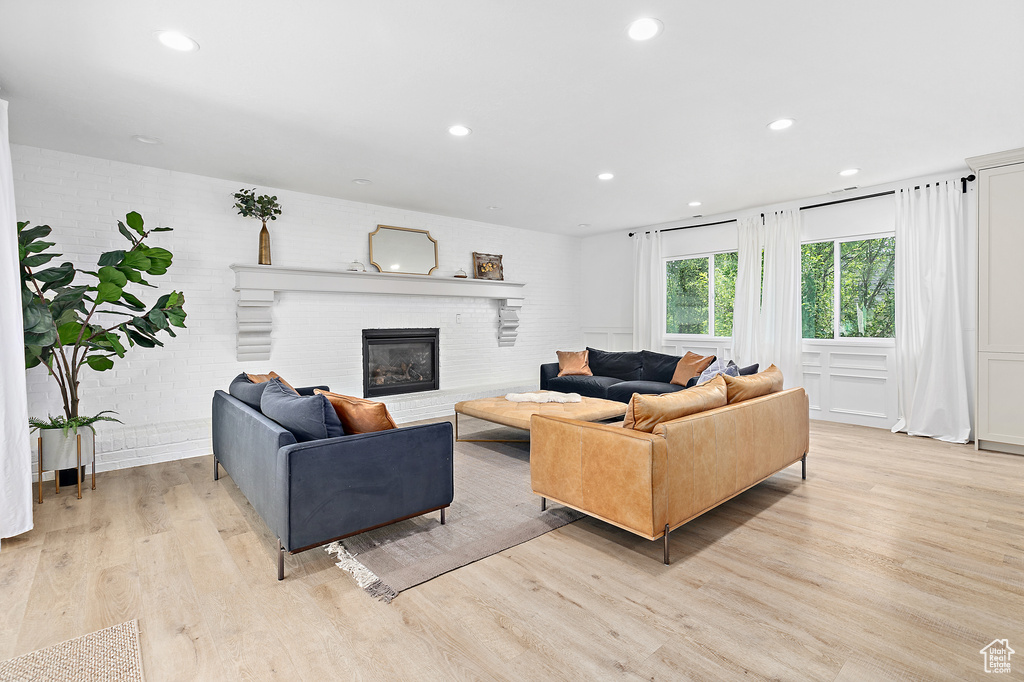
(836, 298)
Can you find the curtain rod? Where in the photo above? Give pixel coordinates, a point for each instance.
(963, 186)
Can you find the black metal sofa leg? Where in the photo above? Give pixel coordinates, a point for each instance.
(666, 544)
(803, 467)
(442, 516)
(543, 504)
(280, 560)
(216, 469)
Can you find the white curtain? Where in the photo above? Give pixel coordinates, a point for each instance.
(931, 278)
(746, 312)
(15, 455)
(648, 291)
(780, 337)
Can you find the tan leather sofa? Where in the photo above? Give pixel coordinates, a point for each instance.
(651, 483)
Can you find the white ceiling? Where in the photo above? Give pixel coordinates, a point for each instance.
(307, 95)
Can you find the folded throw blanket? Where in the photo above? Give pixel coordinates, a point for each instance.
(549, 397)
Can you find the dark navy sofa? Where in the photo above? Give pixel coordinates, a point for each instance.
(319, 491)
(617, 375)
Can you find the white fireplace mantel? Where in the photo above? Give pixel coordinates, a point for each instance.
(257, 284)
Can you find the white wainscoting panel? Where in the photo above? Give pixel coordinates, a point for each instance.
(852, 381)
(608, 338)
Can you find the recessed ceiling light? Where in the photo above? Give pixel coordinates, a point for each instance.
(395, 266)
(146, 139)
(694, 203)
(459, 130)
(605, 176)
(492, 208)
(645, 28)
(583, 225)
(362, 181)
(177, 41)
(781, 124)
(849, 171)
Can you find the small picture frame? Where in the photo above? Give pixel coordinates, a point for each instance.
(487, 266)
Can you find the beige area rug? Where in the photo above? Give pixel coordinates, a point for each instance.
(494, 509)
(109, 655)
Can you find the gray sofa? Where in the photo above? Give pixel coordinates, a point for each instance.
(315, 492)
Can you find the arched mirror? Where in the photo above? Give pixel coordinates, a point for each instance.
(403, 250)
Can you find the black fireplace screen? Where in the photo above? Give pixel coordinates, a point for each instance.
(399, 361)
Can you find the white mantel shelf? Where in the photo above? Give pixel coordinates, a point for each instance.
(257, 284)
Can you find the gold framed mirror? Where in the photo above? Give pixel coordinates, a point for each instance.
(403, 250)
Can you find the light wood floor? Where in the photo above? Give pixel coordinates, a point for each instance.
(898, 558)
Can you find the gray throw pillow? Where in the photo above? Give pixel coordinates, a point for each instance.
(245, 390)
(307, 417)
(718, 367)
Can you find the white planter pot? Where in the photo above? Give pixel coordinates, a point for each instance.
(61, 452)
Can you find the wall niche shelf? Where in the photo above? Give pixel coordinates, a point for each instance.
(257, 284)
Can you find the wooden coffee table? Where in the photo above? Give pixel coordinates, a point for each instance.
(517, 415)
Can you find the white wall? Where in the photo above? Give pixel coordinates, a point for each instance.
(163, 395)
(851, 381)
(607, 292)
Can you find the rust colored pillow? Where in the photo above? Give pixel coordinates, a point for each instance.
(359, 415)
(261, 378)
(690, 366)
(574, 363)
(644, 412)
(754, 386)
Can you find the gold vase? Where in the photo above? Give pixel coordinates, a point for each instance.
(264, 246)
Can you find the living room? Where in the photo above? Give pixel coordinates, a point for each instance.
(491, 130)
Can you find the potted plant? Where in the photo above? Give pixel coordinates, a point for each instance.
(264, 208)
(70, 326)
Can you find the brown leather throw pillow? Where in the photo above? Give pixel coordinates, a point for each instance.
(689, 366)
(574, 363)
(644, 412)
(261, 378)
(753, 386)
(359, 415)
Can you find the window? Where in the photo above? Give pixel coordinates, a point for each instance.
(699, 294)
(686, 304)
(863, 293)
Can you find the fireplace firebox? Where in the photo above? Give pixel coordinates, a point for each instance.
(399, 361)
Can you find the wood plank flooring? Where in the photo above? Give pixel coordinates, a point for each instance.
(897, 559)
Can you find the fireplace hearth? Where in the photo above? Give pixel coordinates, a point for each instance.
(399, 361)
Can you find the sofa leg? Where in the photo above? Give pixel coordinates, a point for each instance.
(803, 467)
(280, 560)
(216, 469)
(442, 516)
(543, 504)
(666, 544)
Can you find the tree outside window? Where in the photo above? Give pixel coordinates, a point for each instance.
(864, 291)
(726, 267)
(686, 301)
(867, 296)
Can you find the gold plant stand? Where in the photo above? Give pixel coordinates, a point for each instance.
(78, 469)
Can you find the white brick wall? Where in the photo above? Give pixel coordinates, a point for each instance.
(163, 395)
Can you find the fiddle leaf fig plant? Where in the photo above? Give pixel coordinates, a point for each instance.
(262, 208)
(70, 326)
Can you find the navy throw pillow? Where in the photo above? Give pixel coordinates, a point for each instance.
(245, 390)
(658, 366)
(747, 371)
(308, 417)
(626, 365)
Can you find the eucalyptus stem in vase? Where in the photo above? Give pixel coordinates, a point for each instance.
(263, 208)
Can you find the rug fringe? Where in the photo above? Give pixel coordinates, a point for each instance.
(364, 577)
